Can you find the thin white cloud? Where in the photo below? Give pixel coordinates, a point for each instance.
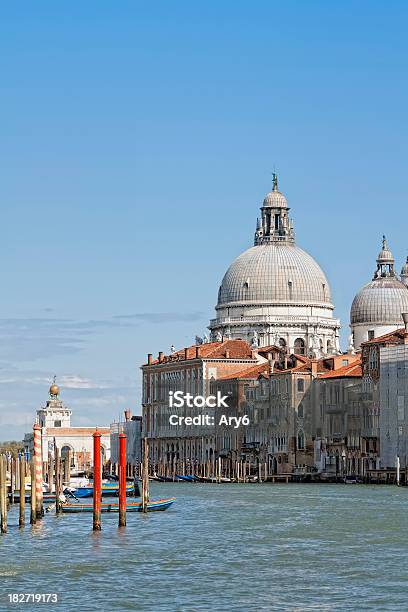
(78, 382)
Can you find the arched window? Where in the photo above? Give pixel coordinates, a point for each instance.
(66, 451)
(282, 343)
(299, 346)
(301, 440)
(329, 345)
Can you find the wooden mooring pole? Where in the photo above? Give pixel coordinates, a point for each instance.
(21, 518)
(33, 512)
(97, 481)
(57, 479)
(3, 494)
(13, 465)
(67, 468)
(122, 480)
(145, 476)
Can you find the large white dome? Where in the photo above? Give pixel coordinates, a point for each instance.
(275, 293)
(275, 274)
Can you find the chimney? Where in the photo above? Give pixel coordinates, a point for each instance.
(405, 319)
(314, 365)
(128, 415)
(227, 354)
(197, 352)
(160, 356)
(186, 353)
(271, 364)
(149, 358)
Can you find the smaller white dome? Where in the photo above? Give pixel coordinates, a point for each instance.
(275, 199)
(385, 255)
(381, 301)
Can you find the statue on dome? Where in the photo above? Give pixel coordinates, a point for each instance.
(218, 337)
(255, 340)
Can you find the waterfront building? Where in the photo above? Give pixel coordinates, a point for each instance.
(132, 427)
(233, 442)
(190, 370)
(387, 379)
(275, 293)
(377, 307)
(73, 442)
(349, 442)
(285, 429)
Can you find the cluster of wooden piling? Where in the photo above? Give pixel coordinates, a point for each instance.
(56, 471)
(238, 471)
(20, 471)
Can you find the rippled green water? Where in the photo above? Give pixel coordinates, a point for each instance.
(222, 547)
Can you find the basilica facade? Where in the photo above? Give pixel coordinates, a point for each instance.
(312, 410)
(275, 293)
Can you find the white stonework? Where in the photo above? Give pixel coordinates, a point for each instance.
(276, 293)
(55, 421)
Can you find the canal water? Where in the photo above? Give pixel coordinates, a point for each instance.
(221, 547)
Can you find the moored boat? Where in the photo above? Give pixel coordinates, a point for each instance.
(47, 497)
(152, 506)
(108, 489)
(174, 478)
(188, 478)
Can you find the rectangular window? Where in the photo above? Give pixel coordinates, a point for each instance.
(57, 423)
(401, 411)
(370, 334)
(300, 385)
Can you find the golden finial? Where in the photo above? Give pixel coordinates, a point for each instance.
(54, 389)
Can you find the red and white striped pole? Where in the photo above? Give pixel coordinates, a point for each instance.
(97, 481)
(38, 471)
(122, 480)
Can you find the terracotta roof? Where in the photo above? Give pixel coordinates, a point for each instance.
(269, 349)
(353, 370)
(237, 349)
(305, 365)
(301, 357)
(251, 372)
(395, 337)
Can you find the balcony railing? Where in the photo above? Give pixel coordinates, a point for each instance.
(261, 319)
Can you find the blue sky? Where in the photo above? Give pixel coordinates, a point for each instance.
(137, 143)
